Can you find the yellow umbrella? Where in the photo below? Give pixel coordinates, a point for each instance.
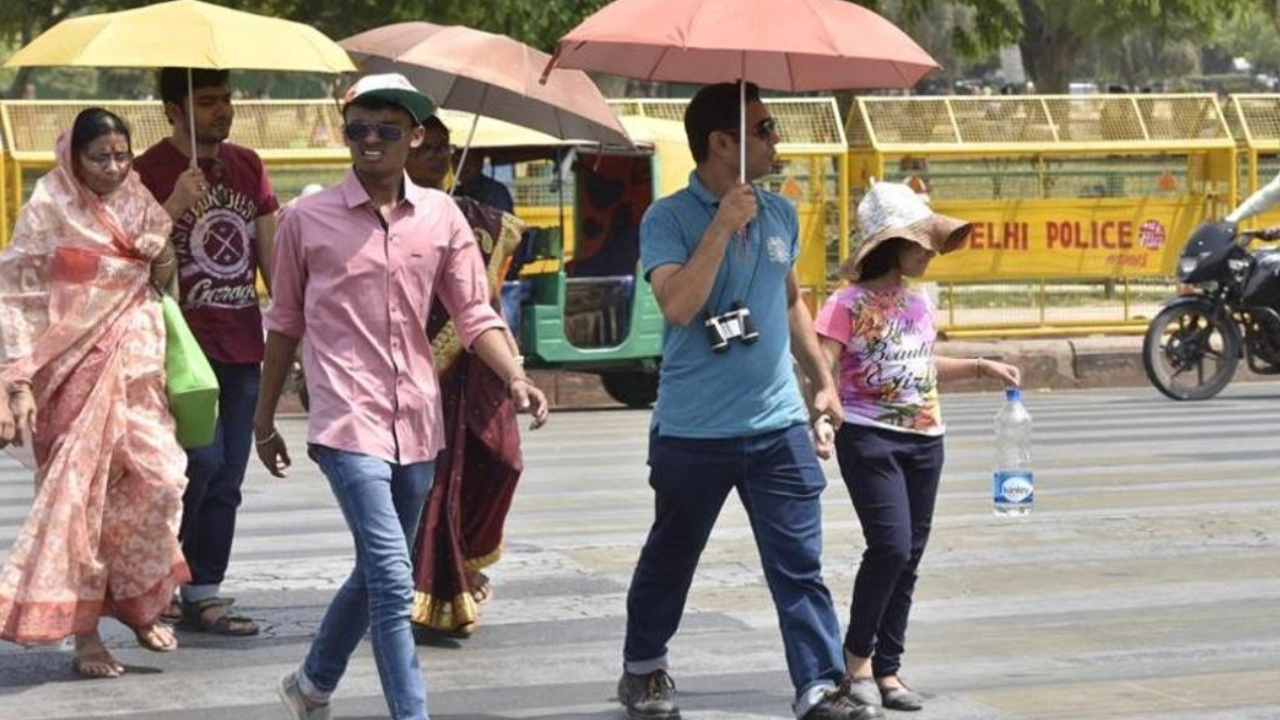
(184, 33)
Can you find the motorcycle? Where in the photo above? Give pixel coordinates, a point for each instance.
(1194, 344)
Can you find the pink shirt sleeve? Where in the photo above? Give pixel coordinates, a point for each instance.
(463, 286)
(288, 281)
(833, 320)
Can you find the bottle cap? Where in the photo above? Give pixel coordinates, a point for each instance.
(1013, 394)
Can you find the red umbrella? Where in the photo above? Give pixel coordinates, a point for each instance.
(793, 45)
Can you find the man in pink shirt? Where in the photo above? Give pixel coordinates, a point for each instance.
(356, 267)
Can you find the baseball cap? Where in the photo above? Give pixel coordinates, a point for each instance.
(395, 89)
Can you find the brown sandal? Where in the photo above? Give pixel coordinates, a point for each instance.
(148, 639)
(193, 618)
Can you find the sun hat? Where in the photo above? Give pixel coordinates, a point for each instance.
(895, 210)
(395, 89)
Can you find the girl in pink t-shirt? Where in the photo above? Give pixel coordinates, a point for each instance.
(879, 333)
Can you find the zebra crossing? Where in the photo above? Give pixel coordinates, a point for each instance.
(1145, 585)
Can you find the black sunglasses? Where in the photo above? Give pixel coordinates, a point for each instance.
(357, 131)
(765, 129)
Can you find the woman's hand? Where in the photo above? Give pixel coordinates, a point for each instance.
(1008, 374)
(22, 405)
(528, 398)
(7, 426)
(149, 246)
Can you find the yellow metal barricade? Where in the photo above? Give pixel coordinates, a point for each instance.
(811, 172)
(1254, 120)
(299, 140)
(1074, 192)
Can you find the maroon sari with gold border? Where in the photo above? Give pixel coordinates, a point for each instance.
(476, 474)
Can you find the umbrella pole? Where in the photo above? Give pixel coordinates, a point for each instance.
(191, 118)
(475, 120)
(471, 135)
(742, 124)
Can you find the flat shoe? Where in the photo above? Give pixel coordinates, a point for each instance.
(902, 698)
(864, 691)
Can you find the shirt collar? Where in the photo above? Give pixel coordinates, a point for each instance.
(354, 194)
(700, 191)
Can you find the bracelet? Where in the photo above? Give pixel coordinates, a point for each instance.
(268, 439)
(519, 377)
(162, 263)
(823, 418)
(977, 368)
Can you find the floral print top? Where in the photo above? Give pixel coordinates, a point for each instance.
(887, 376)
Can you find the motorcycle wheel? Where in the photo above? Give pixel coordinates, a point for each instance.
(1190, 352)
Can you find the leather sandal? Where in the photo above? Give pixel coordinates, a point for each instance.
(482, 590)
(149, 639)
(193, 618)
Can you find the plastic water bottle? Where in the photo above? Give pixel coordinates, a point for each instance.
(1013, 483)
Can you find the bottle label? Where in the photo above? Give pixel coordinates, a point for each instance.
(1014, 487)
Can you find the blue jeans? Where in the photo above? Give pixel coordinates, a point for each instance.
(893, 481)
(214, 476)
(381, 502)
(779, 483)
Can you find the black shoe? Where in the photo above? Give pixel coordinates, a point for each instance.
(838, 705)
(648, 697)
(902, 698)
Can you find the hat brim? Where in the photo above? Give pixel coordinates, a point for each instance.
(416, 104)
(939, 233)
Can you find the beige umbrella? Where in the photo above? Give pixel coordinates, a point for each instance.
(490, 75)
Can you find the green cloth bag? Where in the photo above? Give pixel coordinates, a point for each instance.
(189, 380)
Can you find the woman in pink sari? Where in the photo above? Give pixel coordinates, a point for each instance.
(82, 357)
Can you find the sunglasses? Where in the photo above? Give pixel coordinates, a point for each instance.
(765, 129)
(105, 160)
(357, 131)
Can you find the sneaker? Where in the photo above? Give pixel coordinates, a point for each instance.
(292, 699)
(838, 704)
(648, 697)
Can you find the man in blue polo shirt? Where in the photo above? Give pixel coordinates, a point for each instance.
(719, 256)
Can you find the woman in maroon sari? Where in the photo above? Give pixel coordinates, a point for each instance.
(476, 474)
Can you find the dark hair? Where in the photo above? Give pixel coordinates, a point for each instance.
(715, 107)
(92, 123)
(173, 82)
(431, 122)
(883, 259)
(369, 102)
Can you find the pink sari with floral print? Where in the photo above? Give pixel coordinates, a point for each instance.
(80, 322)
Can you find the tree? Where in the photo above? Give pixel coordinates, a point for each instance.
(1052, 34)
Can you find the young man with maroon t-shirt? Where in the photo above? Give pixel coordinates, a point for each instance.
(223, 210)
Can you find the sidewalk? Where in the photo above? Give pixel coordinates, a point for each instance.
(1058, 364)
